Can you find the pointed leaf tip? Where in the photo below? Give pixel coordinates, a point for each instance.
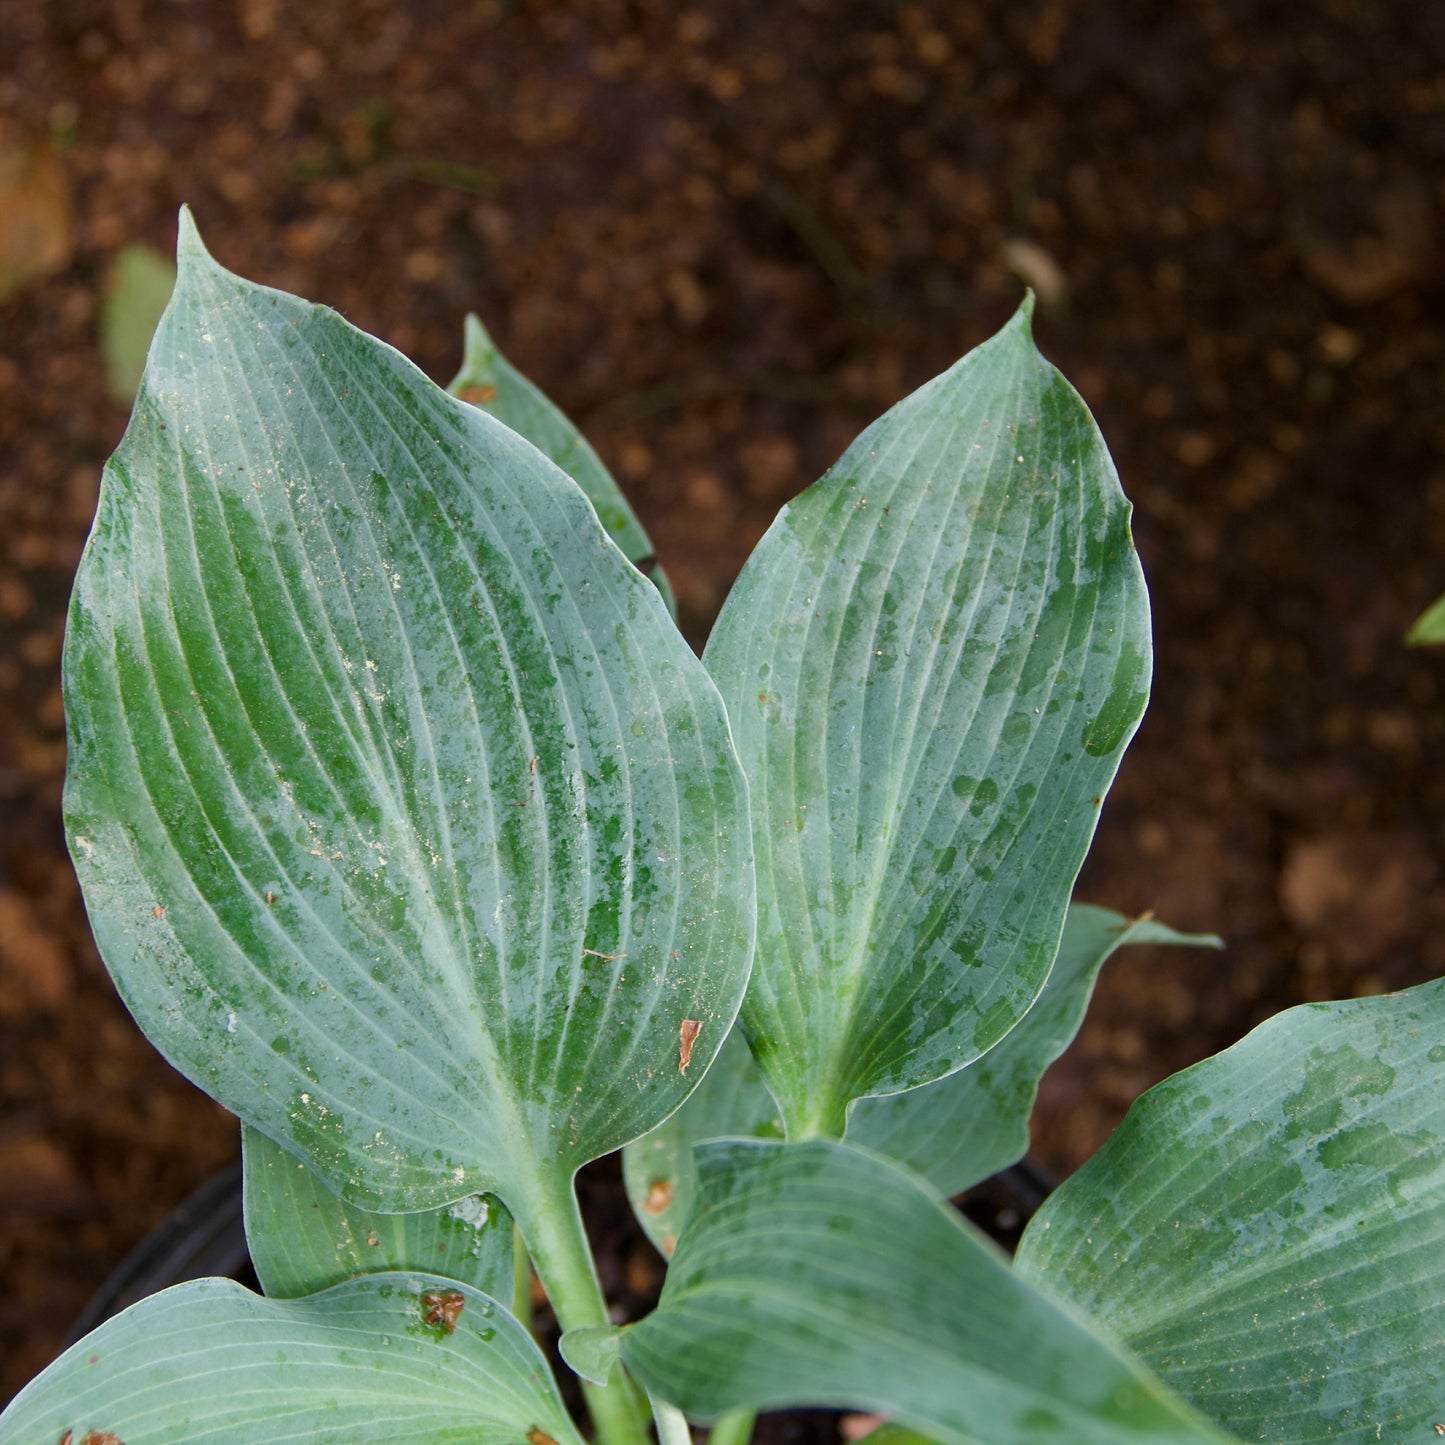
(1026, 309)
(188, 238)
(474, 334)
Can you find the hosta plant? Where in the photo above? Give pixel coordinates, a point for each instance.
(411, 829)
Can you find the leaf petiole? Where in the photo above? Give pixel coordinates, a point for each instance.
(557, 1241)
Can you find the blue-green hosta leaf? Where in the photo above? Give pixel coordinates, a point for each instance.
(932, 663)
(959, 1130)
(816, 1274)
(408, 824)
(954, 1132)
(1267, 1229)
(488, 380)
(303, 1238)
(210, 1363)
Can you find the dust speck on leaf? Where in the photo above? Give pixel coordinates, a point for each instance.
(371, 1238)
(659, 1196)
(687, 1037)
(158, 912)
(442, 1307)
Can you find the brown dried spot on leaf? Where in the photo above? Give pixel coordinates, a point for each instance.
(478, 395)
(539, 1437)
(687, 1036)
(442, 1307)
(99, 1437)
(659, 1196)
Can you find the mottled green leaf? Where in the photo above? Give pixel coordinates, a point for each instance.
(932, 663)
(1429, 626)
(954, 1132)
(488, 380)
(1267, 1229)
(408, 825)
(136, 291)
(963, 1128)
(303, 1238)
(210, 1363)
(816, 1274)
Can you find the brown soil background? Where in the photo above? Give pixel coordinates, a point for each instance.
(724, 237)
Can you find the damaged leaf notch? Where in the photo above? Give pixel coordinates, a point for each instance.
(442, 1307)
